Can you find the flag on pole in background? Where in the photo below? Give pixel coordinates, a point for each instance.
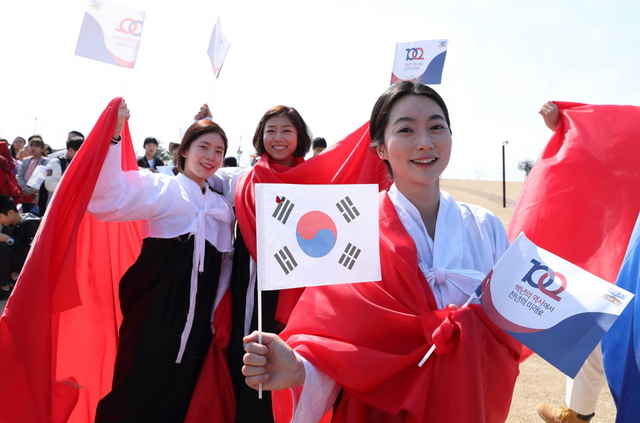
(621, 345)
(555, 308)
(218, 48)
(311, 235)
(421, 61)
(110, 34)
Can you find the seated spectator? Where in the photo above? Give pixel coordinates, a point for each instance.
(53, 173)
(16, 235)
(319, 144)
(29, 198)
(150, 160)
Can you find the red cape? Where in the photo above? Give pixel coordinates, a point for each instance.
(582, 196)
(369, 338)
(59, 329)
(349, 161)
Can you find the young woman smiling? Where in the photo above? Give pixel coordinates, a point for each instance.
(167, 295)
(356, 347)
(281, 140)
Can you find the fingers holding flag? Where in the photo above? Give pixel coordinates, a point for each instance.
(204, 113)
(123, 116)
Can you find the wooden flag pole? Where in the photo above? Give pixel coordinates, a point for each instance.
(211, 92)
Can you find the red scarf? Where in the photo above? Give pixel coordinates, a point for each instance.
(350, 161)
(369, 338)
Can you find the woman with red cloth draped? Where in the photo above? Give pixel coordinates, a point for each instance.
(281, 139)
(356, 347)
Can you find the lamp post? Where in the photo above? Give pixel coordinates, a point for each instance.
(504, 178)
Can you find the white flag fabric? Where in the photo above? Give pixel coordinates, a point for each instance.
(421, 61)
(110, 34)
(311, 235)
(218, 48)
(552, 306)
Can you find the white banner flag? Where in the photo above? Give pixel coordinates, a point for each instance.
(311, 235)
(421, 61)
(218, 48)
(110, 34)
(552, 306)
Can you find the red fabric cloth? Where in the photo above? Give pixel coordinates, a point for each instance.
(582, 196)
(349, 161)
(369, 338)
(8, 183)
(59, 329)
(58, 332)
(213, 398)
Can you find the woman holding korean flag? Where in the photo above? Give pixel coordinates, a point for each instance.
(357, 347)
(281, 140)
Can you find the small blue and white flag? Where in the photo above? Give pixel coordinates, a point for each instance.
(218, 48)
(311, 235)
(421, 61)
(552, 306)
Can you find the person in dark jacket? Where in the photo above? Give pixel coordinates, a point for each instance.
(16, 235)
(150, 160)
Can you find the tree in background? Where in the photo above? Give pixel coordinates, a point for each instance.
(163, 153)
(526, 165)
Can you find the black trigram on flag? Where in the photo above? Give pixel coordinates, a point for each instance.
(348, 210)
(349, 256)
(285, 260)
(283, 210)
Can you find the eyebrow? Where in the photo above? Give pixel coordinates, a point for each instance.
(410, 119)
(272, 125)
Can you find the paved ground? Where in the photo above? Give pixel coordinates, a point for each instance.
(538, 381)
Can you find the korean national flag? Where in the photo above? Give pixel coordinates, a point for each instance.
(311, 235)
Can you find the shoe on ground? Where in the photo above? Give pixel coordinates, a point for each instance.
(564, 414)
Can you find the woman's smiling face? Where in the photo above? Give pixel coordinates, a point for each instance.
(417, 141)
(203, 157)
(280, 140)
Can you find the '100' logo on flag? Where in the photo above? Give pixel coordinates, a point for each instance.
(312, 235)
(555, 308)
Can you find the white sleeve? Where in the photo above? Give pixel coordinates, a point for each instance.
(126, 196)
(225, 180)
(319, 392)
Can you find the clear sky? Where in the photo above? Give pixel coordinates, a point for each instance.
(330, 60)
